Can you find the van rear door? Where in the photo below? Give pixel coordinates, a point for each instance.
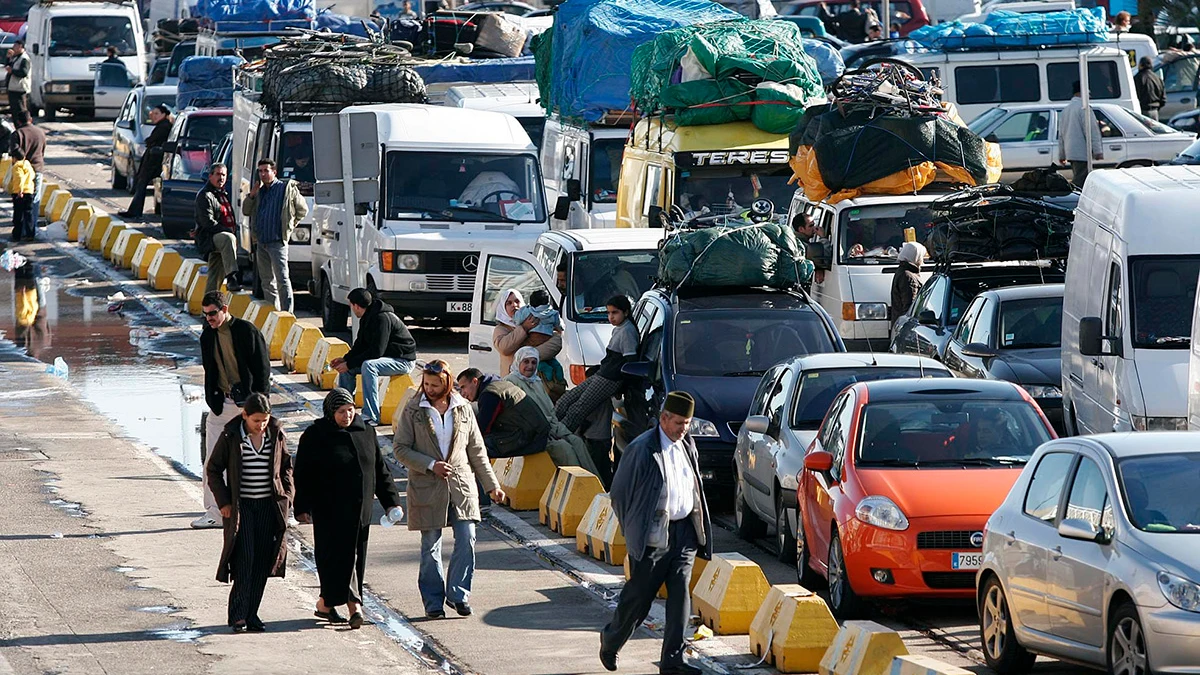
(498, 273)
(111, 87)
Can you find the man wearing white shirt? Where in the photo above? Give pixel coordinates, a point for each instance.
(659, 501)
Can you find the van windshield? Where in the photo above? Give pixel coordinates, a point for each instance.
(597, 277)
(463, 186)
(91, 36)
(295, 159)
(724, 190)
(872, 235)
(15, 9)
(1161, 286)
(606, 168)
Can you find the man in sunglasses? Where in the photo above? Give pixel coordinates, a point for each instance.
(236, 364)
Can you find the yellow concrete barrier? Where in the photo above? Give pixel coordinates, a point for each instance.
(49, 199)
(358, 392)
(188, 269)
(598, 513)
(125, 245)
(553, 490)
(79, 220)
(110, 238)
(58, 204)
(794, 628)
(275, 331)
(83, 233)
(239, 302)
(298, 346)
(524, 479)
(257, 313)
(862, 648)
(143, 257)
(923, 665)
(73, 205)
(599, 534)
(163, 269)
(399, 389)
(697, 571)
(319, 372)
(729, 594)
(568, 497)
(195, 294)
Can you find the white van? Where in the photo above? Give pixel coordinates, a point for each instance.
(581, 168)
(976, 80)
(597, 265)
(1036, 7)
(432, 188)
(519, 99)
(1127, 308)
(856, 259)
(67, 40)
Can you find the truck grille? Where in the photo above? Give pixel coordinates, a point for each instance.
(450, 283)
(949, 579)
(946, 539)
(452, 263)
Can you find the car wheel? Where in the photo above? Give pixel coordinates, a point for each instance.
(749, 525)
(1000, 647)
(843, 601)
(805, 575)
(1127, 653)
(119, 181)
(784, 538)
(333, 315)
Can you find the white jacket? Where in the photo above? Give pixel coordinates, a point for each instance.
(1072, 139)
(20, 79)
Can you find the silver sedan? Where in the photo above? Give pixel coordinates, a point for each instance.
(1094, 557)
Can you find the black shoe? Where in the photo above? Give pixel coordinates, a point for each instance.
(680, 669)
(435, 614)
(239, 627)
(608, 659)
(232, 284)
(256, 626)
(462, 608)
(331, 616)
(356, 620)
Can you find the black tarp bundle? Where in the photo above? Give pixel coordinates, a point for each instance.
(327, 68)
(762, 254)
(994, 222)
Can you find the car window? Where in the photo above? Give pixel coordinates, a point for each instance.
(935, 297)
(1112, 312)
(1024, 127)
(745, 341)
(1108, 128)
(944, 430)
(778, 396)
(502, 274)
(765, 386)
(1104, 81)
(1017, 83)
(838, 435)
(830, 419)
(1158, 285)
(1160, 492)
(1180, 76)
(1089, 499)
(1045, 488)
(982, 331)
(817, 388)
(968, 320)
(1031, 323)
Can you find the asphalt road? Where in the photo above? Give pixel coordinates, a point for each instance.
(79, 157)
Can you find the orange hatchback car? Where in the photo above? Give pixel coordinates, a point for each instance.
(900, 481)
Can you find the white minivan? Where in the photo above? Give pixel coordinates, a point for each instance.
(519, 99)
(1127, 307)
(581, 167)
(68, 40)
(596, 265)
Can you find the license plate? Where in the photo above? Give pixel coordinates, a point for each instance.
(965, 561)
(458, 307)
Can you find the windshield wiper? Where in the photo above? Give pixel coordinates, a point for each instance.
(498, 218)
(1173, 340)
(744, 373)
(891, 461)
(976, 461)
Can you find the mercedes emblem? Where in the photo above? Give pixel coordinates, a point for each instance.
(471, 263)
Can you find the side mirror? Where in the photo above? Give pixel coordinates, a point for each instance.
(125, 124)
(819, 461)
(36, 49)
(991, 138)
(1091, 340)
(654, 216)
(927, 318)
(638, 369)
(171, 146)
(819, 254)
(757, 424)
(360, 208)
(1078, 528)
(574, 189)
(562, 208)
(978, 350)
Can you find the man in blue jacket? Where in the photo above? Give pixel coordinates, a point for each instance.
(659, 501)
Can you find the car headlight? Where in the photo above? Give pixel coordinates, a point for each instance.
(408, 261)
(1180, 592)
(301, 235)
(881, 512)
(703, 428)
(864, 311)
(60, 88)
(1159, 423)
(1043, 391)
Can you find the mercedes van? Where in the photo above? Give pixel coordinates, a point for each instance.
(581, 168)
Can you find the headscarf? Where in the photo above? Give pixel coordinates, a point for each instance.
(336, 399)
(912, 253)
(502, 314)
(522, 354)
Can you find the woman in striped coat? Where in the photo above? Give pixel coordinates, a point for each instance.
(252, 454)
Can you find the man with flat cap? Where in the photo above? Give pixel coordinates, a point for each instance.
(659, 501)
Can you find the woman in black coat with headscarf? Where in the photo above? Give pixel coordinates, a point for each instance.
(338, 468)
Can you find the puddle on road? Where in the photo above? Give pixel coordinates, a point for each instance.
(123, 360)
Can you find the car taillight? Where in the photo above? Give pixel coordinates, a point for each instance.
(578, 373)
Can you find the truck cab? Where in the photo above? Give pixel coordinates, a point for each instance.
(425, 190)
(717, 169)
(581, 167)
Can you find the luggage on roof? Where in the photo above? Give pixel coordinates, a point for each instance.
(255, 11)
(746, 254)
(1012, 30)
(994, 222)
(206, 82)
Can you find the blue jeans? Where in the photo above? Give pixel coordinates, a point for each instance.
(371, 371)
(436, 588)
(37, 198)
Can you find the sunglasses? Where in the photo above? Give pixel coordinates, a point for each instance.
(212, 313)
(431, 368)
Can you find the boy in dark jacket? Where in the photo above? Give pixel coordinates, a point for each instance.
(383, 348)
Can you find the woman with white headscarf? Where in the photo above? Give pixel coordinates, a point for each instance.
(508, 337)
(906, 283)
(565, 448)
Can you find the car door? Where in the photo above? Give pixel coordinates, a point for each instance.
(124, 129)
(1104, 369)
(751, 448)
(1180, 85)
(1025, 141)
(496, 274)
(1028, 541)
(982, 331)
(823, 486)
(767, 451)
(1112, 139)
(1075, 598)
(111, 87)
(955, 359)
(922, 338)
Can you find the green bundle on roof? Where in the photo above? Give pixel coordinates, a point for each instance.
(726, 71)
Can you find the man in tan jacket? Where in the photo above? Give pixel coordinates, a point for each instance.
(439, 441)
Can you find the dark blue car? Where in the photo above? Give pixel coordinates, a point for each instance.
(715, 344)
(186, 157)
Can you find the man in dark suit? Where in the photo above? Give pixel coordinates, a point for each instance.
(659, 501)
(152, 159)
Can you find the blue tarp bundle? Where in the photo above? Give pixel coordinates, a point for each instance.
(483, 71)
(829, 60)
(206, 82)
(1010, 29)
(255, 10)
(341, 23)
(590, 48)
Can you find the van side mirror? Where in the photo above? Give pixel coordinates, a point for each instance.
(927, 318)
(361, 208)
(36, 49)
(562, 208)
(574, 189)
(654, 214)
(1091, 338)
(991, 138)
